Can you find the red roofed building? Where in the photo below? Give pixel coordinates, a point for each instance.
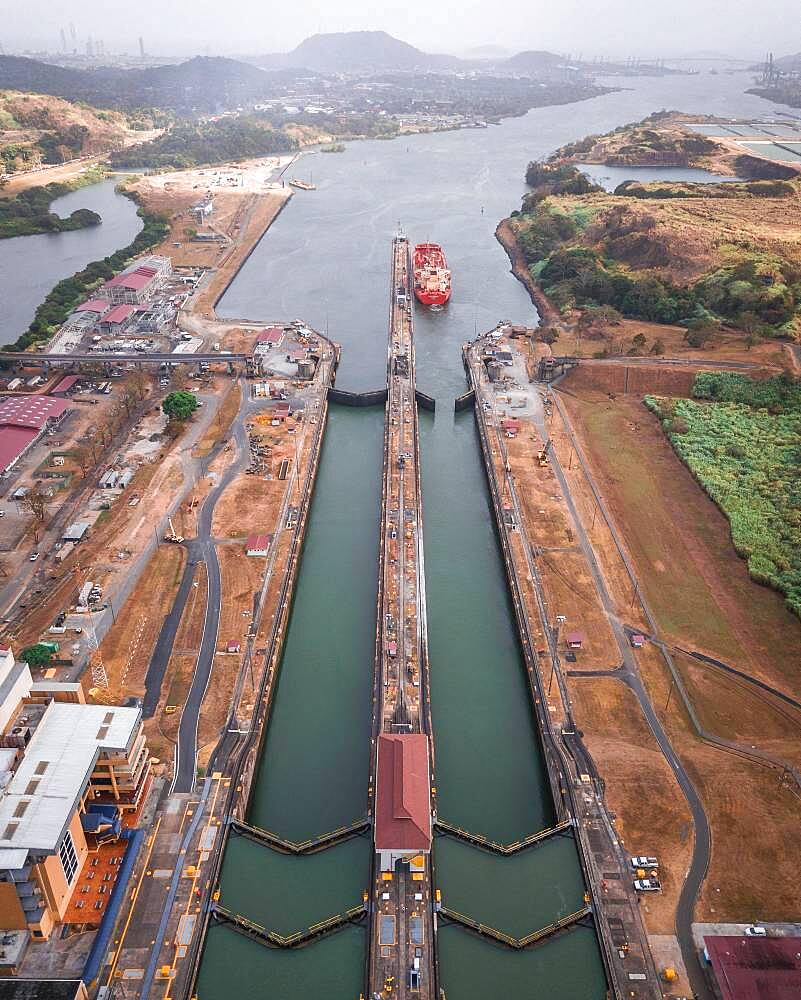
(23, 420)
(98, 306)
(117, 317)
(403, 798)
(138, 283)
(756, 968)
(272, 335)
(65, 385)
(258, 545)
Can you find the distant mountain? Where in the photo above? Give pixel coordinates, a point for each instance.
(359, 52)
(31, 76)
(792, 62)
(532, 61)
(200, 84)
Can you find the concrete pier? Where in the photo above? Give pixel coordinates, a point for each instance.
(401, 939)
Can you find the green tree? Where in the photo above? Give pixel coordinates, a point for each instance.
(37, 656)
(179, 406)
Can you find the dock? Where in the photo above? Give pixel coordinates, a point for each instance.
(401, 937)
(612, 906)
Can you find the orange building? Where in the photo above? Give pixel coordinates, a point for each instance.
(68, 774)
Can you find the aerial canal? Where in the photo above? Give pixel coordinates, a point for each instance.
(325, 259)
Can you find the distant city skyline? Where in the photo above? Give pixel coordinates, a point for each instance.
(619, 28)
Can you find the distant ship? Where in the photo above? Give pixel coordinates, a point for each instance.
(432, 279)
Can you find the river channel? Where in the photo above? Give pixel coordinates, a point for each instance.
(31, 265)
(326, 259)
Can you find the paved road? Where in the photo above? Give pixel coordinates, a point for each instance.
(629, 673)
(203, 549)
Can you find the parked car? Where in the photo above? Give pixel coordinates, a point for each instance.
(756, 931)
(647, 885)
(644, 861)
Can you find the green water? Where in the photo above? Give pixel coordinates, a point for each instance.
(286, 893)
(234, 967)
(489, 771)
(516, 895)
(565, 968)
(314, 768)
(313, 774)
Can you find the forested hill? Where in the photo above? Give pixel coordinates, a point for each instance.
(189, 145)
(198, 85)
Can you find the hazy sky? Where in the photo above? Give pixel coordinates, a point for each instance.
(605, 27)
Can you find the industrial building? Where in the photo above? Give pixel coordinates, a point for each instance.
(23, 420)
(755, 968)
(403, 801)
(138, 283)
(73, 777)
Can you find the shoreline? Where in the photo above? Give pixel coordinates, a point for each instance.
(504, 234)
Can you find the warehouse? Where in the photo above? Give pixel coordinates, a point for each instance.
(23, 420)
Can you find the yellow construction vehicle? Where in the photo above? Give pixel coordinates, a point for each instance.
(542, 455)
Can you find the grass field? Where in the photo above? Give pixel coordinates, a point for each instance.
(697, 585)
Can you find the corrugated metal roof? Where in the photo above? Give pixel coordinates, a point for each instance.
(118, 314)
(60, 758)
(403, 798)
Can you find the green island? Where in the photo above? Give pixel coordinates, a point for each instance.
(741, 439)
(698, 255)
(28, 213)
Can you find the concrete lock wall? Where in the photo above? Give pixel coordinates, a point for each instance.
(345, 398)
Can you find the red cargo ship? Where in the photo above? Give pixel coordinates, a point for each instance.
(432, 279)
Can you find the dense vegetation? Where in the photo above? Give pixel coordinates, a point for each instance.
(179, 406)
(758, 292)
(70, 292)
(774, 188)
(29, 212)
(777, 395)
(745, 450)
(188, 145)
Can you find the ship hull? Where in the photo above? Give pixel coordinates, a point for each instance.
(432, 279)
(431, 298)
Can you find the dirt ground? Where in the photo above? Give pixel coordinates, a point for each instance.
(727, 344)
(704, 600)
(128, 646)
(698, 586)
(221, 425)
(635, 772)
(753, 815)
(240, 215)
(241, 581)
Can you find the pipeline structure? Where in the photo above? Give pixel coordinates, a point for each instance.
(272, 939)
